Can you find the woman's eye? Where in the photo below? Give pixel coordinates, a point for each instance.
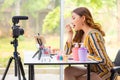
(73, 18)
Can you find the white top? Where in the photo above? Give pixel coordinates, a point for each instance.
(47, 60)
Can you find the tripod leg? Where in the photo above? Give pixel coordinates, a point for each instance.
(9, 62)
(35, 54)
(18, 68)
(21, 68)
(15, 67)
(40, 53)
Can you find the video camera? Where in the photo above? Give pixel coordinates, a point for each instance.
(16, 29)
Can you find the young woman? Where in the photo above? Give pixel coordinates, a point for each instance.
(91, 34)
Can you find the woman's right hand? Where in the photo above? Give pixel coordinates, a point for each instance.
(69, 32)
(69, 29)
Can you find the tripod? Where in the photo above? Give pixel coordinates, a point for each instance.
(39, 52)
(18, 64)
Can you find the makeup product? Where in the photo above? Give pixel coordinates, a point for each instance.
(75, 52)
(82, 53)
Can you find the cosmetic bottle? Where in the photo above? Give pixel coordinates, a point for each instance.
(75, 52)
(82, 53)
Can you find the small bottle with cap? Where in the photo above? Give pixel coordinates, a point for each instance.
(82, 53)
(75, 52)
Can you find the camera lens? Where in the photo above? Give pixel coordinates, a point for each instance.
(17, 31)
(21, 31)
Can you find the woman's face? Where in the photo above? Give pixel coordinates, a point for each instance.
(77, 21)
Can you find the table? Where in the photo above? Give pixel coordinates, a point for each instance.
(28, 60)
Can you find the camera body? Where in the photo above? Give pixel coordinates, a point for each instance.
(17, 31)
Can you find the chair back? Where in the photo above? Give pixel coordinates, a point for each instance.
(117, 66)
(117, 59)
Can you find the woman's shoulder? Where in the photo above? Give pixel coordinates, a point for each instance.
(95, 32)
(96, 35)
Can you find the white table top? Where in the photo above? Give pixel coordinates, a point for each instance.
(50, 61)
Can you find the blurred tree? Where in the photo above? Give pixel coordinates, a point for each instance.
(6, 4)
(31, 8)
(51, 21)
(5, 16)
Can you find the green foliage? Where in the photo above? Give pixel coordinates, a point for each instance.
(51, 21)
(89, 3)
(5, 7)
(94, 3)
(32, 7)
(7, 4)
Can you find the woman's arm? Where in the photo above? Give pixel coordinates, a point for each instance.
(69, 42)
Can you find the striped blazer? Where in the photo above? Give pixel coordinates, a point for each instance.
(94, 42)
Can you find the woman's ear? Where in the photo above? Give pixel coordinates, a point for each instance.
(83, 18)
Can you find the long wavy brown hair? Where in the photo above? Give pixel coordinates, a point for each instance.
(82, 11)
